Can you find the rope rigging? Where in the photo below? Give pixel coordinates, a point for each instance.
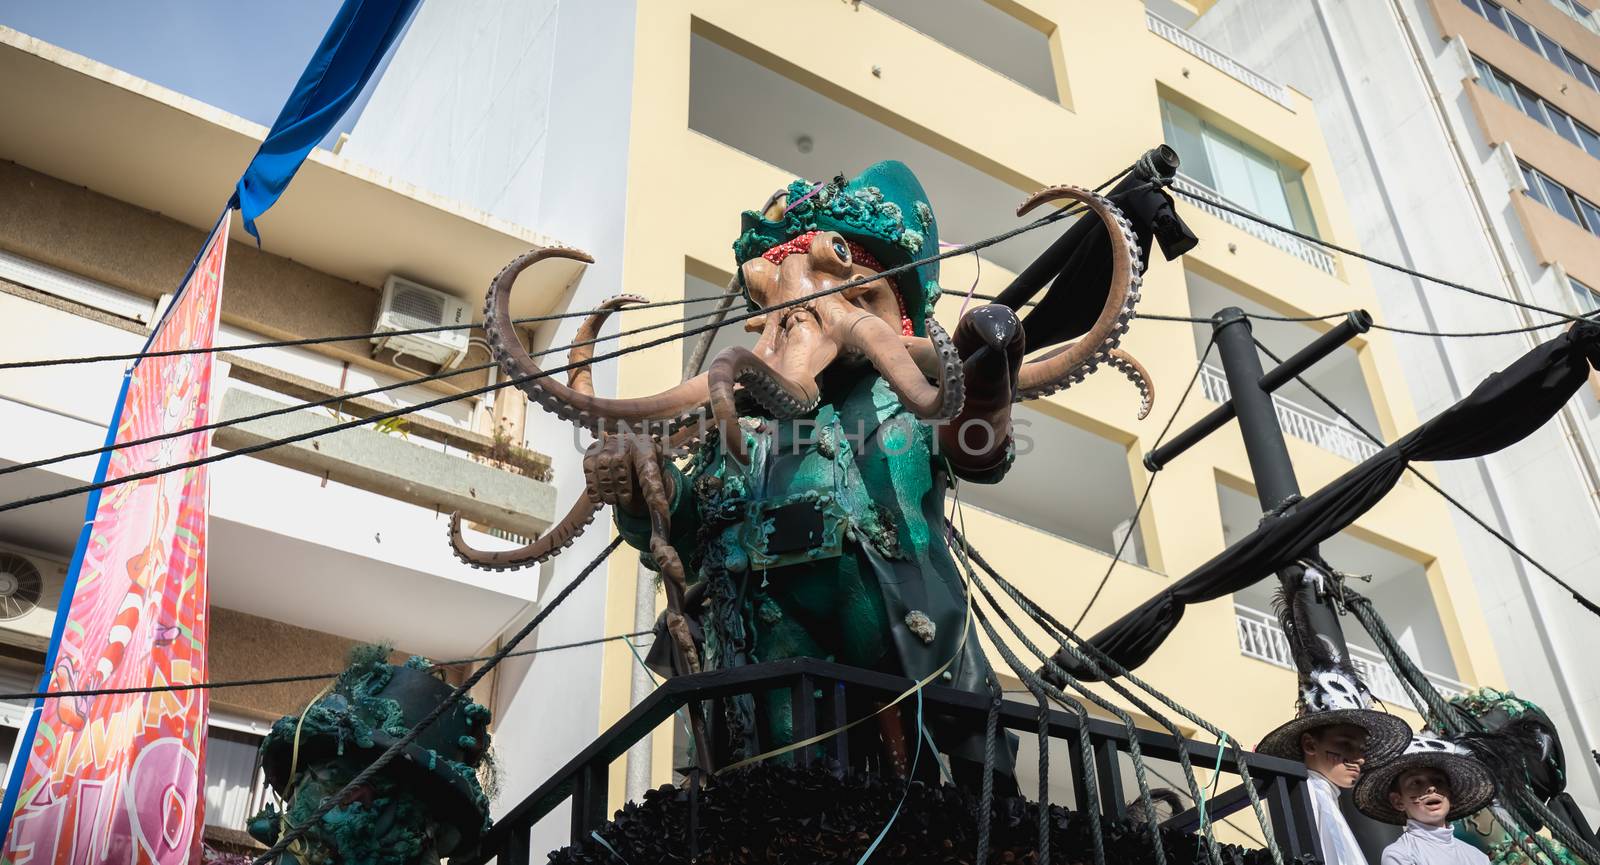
(1099, 662)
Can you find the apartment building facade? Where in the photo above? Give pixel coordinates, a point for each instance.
(640, 131)
(108, 185)
(1464, 134)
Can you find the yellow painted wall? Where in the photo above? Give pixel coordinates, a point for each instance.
(975, 114)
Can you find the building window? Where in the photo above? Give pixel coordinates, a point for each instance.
(1538, 42)
(1524, 33)
(1588, 299)
(1238, 172)
(1537, 108)
(235, 787)
(1583, 72)
(1579, 13)
(1577, 209)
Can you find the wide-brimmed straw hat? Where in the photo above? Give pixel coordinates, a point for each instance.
(1471, 786)
(1387, 735)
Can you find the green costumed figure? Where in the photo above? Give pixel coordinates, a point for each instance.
(810, 519)
(1526, 750)
(822, 533)
(426, 805)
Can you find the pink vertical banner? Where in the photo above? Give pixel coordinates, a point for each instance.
(119, 778)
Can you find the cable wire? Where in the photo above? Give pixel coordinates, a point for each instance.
(1309, 238)
(322, 340)
(1510, 544)
(366, 775)
(305, 677)
(1149, 485)
(523, 379)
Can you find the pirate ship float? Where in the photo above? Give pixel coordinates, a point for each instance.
(822, 621)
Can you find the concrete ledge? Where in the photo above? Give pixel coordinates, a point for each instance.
(391, 466)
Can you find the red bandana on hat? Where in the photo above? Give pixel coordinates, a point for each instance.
(858, 255)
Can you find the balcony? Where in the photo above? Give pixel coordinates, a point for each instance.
(1304, 250)
(1325, 432)
(1217, 58)
(1260, 637)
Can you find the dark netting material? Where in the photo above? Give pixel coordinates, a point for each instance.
(779, 814)
(1504, 409)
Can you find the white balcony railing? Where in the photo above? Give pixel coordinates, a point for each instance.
(1304, 250)
(1297, 420)
(1218, 58)
(1260, 637)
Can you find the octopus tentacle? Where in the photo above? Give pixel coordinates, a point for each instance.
(563, 533)
(783, 396)
(1071, 363)
(672, 408)
(558, 538)
(1130, 366)
(581, 377)
(897, 360)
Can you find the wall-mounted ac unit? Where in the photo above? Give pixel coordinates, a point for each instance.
(30, 588)
(406, 305)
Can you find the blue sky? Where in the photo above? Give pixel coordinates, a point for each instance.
(242, 56)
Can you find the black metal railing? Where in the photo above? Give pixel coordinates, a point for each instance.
(584, 779)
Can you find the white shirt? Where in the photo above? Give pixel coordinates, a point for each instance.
(1422, 844)
(1339, 846)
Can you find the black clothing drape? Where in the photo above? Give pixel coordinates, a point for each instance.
(1507, 407)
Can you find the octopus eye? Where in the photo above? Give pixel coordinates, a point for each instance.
(841, 250)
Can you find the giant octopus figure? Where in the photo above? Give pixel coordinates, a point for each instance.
(808, 522)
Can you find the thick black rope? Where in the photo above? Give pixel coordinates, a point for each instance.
(1372, 259)
(991, 724)
(523, 379)
(1062, 634)
(1149, 711)
(395, 750)
(1502, 538)
(1039, 689)
(1138, 510)
(305, 677)
(1152, 820)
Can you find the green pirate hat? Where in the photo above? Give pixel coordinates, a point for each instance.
(884, 209)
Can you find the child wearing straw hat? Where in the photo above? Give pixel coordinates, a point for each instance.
(1433, 782)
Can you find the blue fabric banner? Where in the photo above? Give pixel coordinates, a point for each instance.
(350, 51)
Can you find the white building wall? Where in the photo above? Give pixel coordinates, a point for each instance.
(536, 95)
(1416, 203)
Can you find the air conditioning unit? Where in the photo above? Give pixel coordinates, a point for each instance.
(30, 588)
(406, 305)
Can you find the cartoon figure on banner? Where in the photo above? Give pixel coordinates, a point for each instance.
(117, 777)
(180, 406)
(809, 521)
